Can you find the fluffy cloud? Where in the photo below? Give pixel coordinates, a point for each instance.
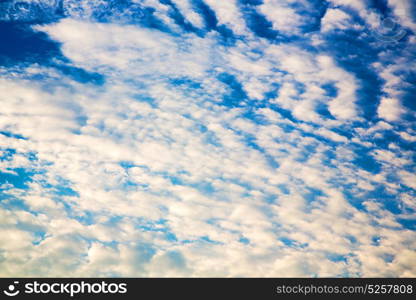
(390, 109)
(336, 19)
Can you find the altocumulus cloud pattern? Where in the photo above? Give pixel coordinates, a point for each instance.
(207, 138)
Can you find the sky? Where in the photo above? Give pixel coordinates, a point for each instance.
(207, 138)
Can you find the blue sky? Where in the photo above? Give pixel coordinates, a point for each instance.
(239, 138)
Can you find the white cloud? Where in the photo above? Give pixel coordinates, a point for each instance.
(403, 11)
(335, 18)
(186, 8)
(313, 72)
(332, 135)
(407, 137)
(390, 109)
(408, 179)
(283, 17)
(359, 5)
(115, 46)
(228, 14)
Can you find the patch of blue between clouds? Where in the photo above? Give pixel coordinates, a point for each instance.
(21, 45)
(211, 23)
(366, 161)
(292, 243)
(237, 96)
(261, 26)
(180, 19)
(13, 135)
(18, 177)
